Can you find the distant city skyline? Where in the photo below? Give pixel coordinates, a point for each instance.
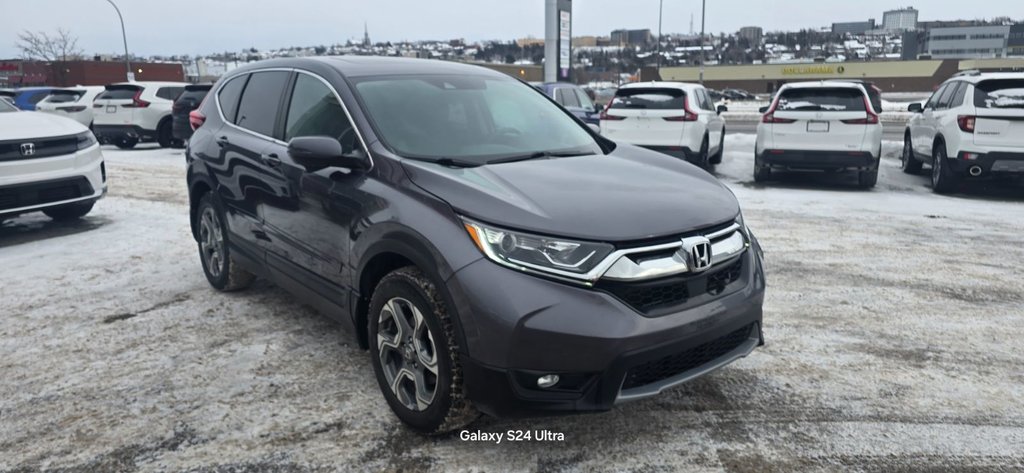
(193, 27)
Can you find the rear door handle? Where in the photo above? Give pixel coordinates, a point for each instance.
(272, 160)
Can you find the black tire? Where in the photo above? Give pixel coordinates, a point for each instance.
(165, 134)
(908, 163)
(867, 179)
(717, 158)
(702, 155)
(405, 292)
(126, 143)
(68, 212)
(220, 267)
(761, 172)
(943, 179)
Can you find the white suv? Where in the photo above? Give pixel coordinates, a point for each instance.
(73, 102)
(820, 126)
(48, 163)
(675, 118)
(128, 113)
(971, 127)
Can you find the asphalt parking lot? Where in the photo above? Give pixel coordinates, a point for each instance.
(893, 319)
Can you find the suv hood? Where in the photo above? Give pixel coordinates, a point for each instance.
(31, 125)
(630, 194)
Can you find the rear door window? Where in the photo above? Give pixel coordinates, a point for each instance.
(822, 100)
(566, 97)
(958, 96)
(999, 93)
(649, 98)
(169, 93)
(229, 95)
(262, 96)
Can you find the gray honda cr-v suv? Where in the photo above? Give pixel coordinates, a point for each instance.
(490, 251)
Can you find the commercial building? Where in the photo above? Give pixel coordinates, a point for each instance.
(853, 27)
(631, 37)
(967, 42)
(900, 20)
(19, 73)
(890, 76)
(752, 34)
(1015, 43)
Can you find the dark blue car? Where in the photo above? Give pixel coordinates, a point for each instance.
(573, 98)
(26, 98)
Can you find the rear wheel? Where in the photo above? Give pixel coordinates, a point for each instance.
(943, 179)
(908, 163)
(126, 143)
(761, 172)
(165, 135)
(868, 179)
(414, 353)
(68, 212)
(702, 155)
(717, 158)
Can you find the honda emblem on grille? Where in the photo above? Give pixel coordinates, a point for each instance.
(698, 253)
(28, 149)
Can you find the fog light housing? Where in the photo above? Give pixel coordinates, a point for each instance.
(547, 381)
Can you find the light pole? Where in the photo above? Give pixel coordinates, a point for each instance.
(661, 9)
(124, 37)
(703, 9)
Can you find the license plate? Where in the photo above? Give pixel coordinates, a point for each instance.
(817, 127)
(111, 108)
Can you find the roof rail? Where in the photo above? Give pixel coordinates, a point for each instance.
(969, 72)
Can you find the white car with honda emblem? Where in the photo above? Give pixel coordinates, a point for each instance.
(48, 163)
(674, 118)
(820, 126)
(972, 127)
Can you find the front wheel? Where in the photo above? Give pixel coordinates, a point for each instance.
(68, 212)
(220, 267)
(908, 163)
(414, 354)
(943, 179)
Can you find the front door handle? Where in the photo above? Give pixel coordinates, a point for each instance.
(272, 159)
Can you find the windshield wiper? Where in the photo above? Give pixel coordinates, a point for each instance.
(540, 155)
(450, 162)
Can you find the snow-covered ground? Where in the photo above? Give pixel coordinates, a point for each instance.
(893, 321)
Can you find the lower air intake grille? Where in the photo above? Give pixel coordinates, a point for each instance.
(669, 366)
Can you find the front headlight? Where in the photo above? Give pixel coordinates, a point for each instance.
(527, 252)
(85, 140)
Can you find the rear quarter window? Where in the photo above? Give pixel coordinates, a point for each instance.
(649, 99)
(821, 100)
(999, 93)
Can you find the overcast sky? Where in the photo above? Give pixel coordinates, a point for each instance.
(205, 26)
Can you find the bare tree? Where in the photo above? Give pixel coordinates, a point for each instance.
(41, 46)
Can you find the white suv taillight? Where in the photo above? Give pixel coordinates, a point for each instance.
(966, 122)
(769, 116)
(689, 116)
(870, 119)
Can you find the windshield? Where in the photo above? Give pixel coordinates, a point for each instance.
(1002, 93)
(472, 119)
(822, 100)
(649, 98)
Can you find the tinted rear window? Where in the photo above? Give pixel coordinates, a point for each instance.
(1000, 93)
(193, 95)
(258, 108)
(64, 97)
(119, 93)
(169, 93)
(649, 99)
(821, 100)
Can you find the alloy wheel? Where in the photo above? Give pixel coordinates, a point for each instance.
(937, 163)
(211, 241)
(408, 354)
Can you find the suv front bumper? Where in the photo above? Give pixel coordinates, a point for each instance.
(518, 327)
(28, 185)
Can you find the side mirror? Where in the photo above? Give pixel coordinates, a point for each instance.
(915, 107)
(762, 110)
(722, 109)
(594, 128)
(320, 152)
